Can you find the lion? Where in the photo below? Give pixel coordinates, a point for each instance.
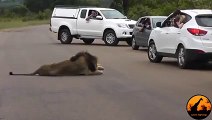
(83, 63)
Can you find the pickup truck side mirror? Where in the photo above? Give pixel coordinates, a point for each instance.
(99, 17)
(158, 24)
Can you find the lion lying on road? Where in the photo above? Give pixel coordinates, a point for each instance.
(83, 63)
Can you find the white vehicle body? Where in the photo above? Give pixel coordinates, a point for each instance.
(195, 36)
(74, 19)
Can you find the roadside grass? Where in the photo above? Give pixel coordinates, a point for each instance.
(16, 23)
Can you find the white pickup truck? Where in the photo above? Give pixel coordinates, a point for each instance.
(79, 22)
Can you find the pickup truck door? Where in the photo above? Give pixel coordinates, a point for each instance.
(89, 28)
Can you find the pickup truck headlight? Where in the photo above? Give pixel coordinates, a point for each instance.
(122, 25)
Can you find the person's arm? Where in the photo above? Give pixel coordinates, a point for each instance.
(89, 17)
(180, 25)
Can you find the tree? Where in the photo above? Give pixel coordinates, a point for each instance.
(38, 5)
(125, 6)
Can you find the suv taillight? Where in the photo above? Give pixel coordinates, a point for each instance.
(197, 32)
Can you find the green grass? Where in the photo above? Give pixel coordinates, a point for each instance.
(15, 23)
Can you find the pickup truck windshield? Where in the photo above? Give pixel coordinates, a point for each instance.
(112, 14)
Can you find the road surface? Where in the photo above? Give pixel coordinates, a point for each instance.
(131, 87)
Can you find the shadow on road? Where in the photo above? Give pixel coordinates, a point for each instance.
(194, 66)
(94, 44)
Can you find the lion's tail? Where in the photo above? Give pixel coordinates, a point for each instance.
(30, 74)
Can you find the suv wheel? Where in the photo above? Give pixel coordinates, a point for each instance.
(129, 41)
(110, 38)
(65, 36)
(134, 46)
(182, 58)
(153, 54)
(88, 41)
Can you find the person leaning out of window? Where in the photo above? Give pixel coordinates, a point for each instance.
(179, 21)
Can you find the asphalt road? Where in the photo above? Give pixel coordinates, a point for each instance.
(131, 87)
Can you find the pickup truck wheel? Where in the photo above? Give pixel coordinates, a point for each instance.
(134, 46)
(110, 38)
(88, 41)
(153, 54)
(65, 36)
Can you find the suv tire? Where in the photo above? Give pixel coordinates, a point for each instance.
(153, 54)
(110, 38)
(134, 46)
(182, 58)
(65, 36)
(129, 41)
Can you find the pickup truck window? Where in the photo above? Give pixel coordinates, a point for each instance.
(83, 13)
(112, 14)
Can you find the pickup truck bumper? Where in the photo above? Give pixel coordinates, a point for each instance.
(123, 33)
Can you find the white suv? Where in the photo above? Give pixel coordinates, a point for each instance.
(192, 42)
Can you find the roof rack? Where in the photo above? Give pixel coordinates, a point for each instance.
(73, 7)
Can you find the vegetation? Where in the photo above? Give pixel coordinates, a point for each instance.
(163, 7)
(28, 10)
(13, 23)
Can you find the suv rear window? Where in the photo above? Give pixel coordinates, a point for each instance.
(204, 20)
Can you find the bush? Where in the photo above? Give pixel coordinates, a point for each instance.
(29, 16)
(20, 10)
(44, 15)
(137, 11)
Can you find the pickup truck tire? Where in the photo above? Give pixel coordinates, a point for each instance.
(110, 38)
(65, 36)
(88, 41)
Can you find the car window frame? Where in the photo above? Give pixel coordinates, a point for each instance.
(98, 14)
(85, 13)
(170, 18)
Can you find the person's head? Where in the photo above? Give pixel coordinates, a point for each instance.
(182, 18)
(177, 18)
(94, 13)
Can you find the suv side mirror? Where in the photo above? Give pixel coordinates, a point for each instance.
(158, 24)
(99, 17)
